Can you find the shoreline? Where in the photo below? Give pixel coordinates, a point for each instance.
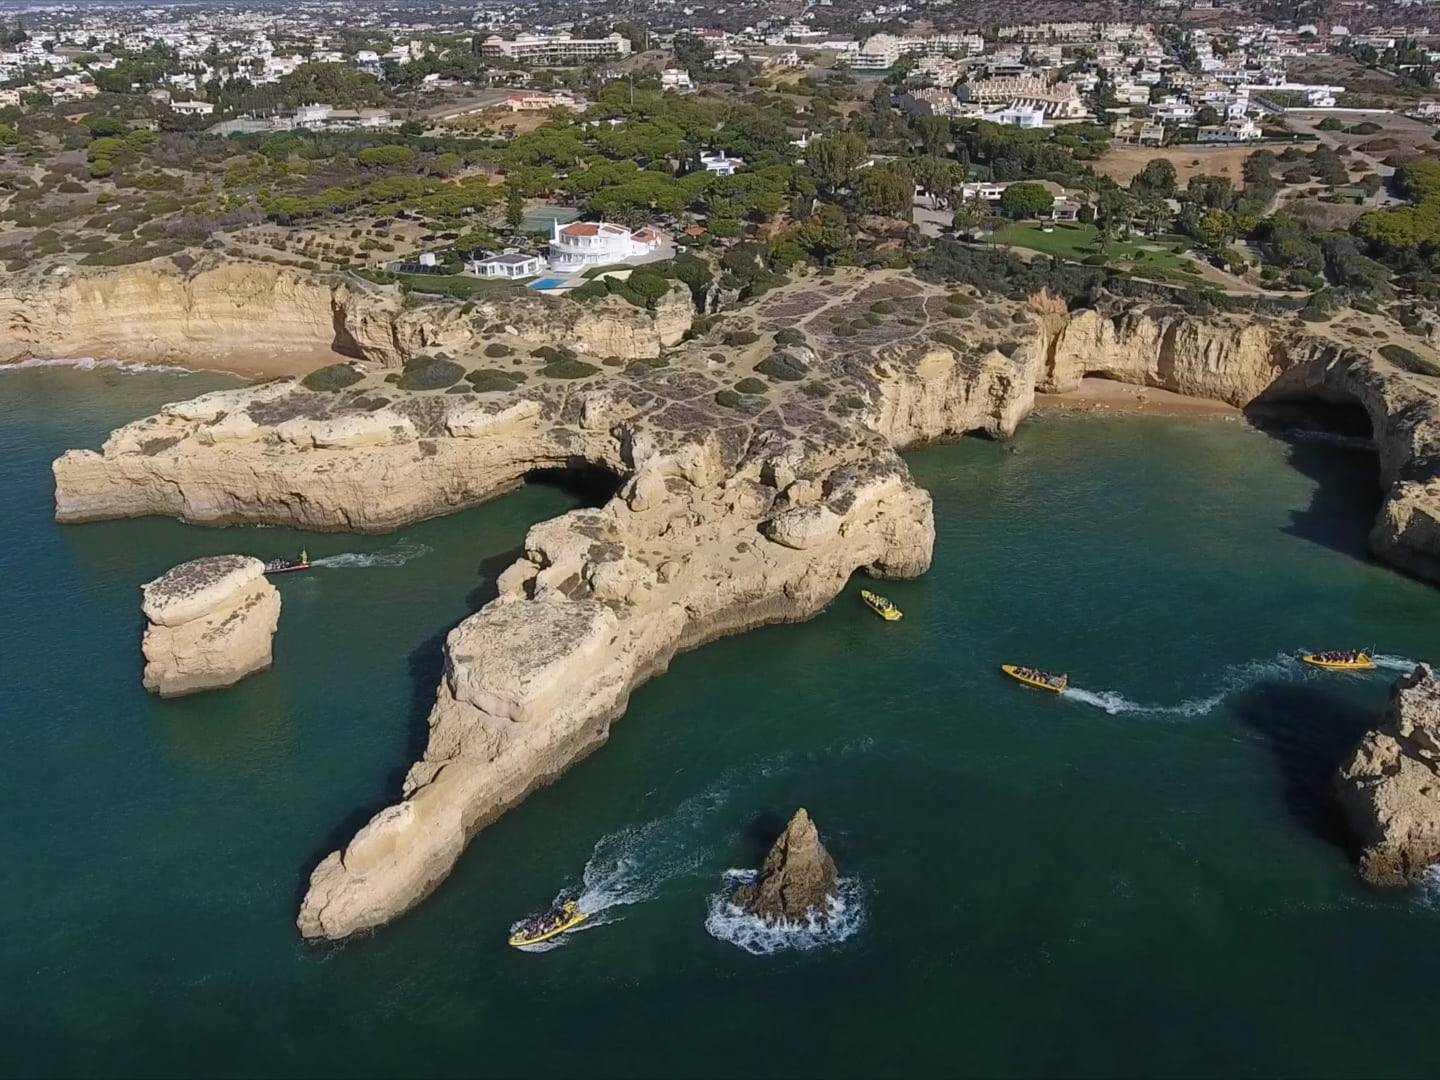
(1107, 395)
(252, 364)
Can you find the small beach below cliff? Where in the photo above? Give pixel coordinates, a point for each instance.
(1109, 396)
(1153, 866)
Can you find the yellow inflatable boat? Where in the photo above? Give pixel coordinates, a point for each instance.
(1040, 680)
(1349, 660)
(550, 925)
(882, 607)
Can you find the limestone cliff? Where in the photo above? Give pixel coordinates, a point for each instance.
(151, 314)
(735, 509)
(210, 624)
(1390, 787)
(758, 470)
(1249, 361)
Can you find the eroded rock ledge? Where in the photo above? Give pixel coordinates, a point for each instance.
(758, 470)
(1390, 787)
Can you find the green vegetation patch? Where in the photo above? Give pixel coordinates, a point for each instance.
(783, 367)
(429, 373)
(751, 386)
(331, 378)
(492, 380)
(1410, 360)
(568, 369)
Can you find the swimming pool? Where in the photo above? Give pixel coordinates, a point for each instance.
(546, 283)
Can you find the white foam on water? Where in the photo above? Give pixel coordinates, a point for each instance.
(1394, 663)
(1428, 894)
(89, 363)
(1235, 678)
(395, 555)
(844, 917)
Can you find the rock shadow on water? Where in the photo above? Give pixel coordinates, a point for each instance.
(1332, 444)
(1309, 732)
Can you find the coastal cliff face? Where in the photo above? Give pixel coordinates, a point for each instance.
(1390, 787)
(1255, 362)
(210, 623)
(147, 314)
(736, 508)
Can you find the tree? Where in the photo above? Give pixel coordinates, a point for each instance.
(887, 190)
(514, 208)
(1026, 199)
(1155, 180)
(1206, 116)
(970, 215)
(1217, 228)
(834, 159)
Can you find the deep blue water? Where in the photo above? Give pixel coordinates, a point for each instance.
(1040, 886)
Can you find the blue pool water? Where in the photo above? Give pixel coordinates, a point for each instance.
(547, 283)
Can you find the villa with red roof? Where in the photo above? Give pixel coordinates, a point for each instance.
(583, 244)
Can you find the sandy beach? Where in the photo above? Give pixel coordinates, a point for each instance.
(1107, 395)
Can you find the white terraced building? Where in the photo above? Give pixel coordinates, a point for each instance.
(556, 48)
(598, 243)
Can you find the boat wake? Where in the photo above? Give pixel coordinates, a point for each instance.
(728, 923)
(89, 363)
(1234, 679)
(395, 555)
(1394, 663)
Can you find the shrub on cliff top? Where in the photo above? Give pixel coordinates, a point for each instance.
(789, 336)
(332, 377)
(568, 369)
(751, 385)
(429, 373)
(782, 367)
(487, 380)
(1410, 360)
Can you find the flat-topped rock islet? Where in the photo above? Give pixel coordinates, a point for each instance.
(210, 623)
(758, 467)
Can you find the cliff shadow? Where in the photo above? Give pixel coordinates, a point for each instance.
(1309, 733)
(594, 485)
(1331, 443)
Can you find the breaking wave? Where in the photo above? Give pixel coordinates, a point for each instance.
(1234, 679)
(395, 555)
(89, 363)
(726, 922)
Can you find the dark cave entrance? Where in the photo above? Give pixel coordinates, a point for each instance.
(593, 485)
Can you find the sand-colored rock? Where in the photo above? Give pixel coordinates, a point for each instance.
(797, 880)
(1390, 787)
(243, 315)
(731, 511)
(211, 623)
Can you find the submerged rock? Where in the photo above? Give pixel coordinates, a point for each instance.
(1390, 787)
(798, 878)
(210, 623)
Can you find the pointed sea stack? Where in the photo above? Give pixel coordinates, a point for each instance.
(1390, 787)
(798, 878)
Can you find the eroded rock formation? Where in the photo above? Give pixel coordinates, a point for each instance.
(210, 623)
(758, 470)
(1390, 787)
(150, 314)
(798, 877)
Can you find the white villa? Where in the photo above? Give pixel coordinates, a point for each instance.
(719, 163)
(598, 243)
(510, 265)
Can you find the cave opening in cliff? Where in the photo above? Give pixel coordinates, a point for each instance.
(1326, 415)
(593, 485)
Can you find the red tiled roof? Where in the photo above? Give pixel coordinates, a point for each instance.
(582, 228)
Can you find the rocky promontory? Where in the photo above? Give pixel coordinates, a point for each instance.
(210, 623)
(757, 469)
(1390, 787)
(797, 880)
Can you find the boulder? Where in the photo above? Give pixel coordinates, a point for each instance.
(1390, 787)
(210, 623)
(798, 877)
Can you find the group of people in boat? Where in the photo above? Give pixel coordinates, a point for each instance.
(1343, 656)
(1035, 674)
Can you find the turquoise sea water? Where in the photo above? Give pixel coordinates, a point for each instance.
(1037, 885)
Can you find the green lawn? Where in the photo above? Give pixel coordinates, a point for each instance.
(457, 285)
(1077, 242)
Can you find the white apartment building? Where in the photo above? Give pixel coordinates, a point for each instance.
(557, 49)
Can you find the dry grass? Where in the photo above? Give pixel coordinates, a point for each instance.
(1123, 162)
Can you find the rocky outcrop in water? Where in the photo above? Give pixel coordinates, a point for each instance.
(150, 314)
(757, 469)
(797, 880)
(210, 623)
(1390, 787)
